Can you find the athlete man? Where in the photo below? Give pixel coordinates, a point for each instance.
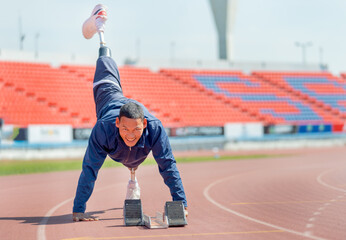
(125, 130)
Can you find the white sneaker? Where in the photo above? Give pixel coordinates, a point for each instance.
(96, 22)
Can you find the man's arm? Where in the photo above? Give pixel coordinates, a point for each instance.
(92, 162)
(163, 155)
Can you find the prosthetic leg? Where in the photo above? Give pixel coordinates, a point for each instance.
(103, 51)
(133, 213)
(133, 189)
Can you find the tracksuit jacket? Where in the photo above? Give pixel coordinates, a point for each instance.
(105, 139)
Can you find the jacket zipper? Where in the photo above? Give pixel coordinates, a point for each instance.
(128, 155)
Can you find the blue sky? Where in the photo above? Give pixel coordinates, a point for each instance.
(264, 30)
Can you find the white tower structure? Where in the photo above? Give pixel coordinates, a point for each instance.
(224, 16)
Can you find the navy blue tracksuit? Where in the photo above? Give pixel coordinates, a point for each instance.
(105, 139)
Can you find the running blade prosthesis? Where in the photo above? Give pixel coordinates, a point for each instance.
(174, 215)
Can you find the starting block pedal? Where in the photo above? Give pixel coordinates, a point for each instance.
(133, 213)
(175, 213)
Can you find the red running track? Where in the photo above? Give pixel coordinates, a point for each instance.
(300, 196)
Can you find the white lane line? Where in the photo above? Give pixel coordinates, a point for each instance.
(41, 230)
(210, 199)
(309, 225)
(320, 181)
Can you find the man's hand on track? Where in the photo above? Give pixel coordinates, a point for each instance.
(186, 212)
(83, 217)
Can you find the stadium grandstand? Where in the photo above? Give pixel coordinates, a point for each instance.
(33, 93)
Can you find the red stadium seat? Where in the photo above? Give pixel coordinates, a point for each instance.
(40, 93)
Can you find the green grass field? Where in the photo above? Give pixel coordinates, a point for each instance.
(41, 166)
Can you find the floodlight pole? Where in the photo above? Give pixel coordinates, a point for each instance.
(172, 48)
(224, 16)
(37, 35)
(303, 45)
(138, 49)
(21, 35)
(321, 55)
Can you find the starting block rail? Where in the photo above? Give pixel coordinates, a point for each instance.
(159, 221)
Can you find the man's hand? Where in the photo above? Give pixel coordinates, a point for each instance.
(83, 217)
(186, 212)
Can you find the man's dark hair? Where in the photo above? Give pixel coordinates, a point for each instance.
(131, 110)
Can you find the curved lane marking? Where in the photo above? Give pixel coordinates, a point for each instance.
(210, 199)
(320, 181)
(41, 231)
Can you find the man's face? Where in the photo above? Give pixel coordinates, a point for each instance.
(130, 129)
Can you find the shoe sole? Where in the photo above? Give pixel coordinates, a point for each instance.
(89, 28)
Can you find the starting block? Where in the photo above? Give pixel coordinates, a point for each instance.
(175, 213)
(174, 216)
(133, 213)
